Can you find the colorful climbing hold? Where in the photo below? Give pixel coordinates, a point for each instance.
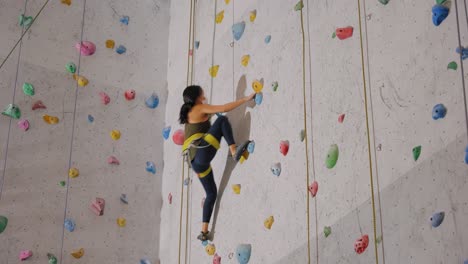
(416, 152)
(466, 155)
(66, 2)
(105, 99)
(90, 118)
(276, 169)
(332, 156)
(313, 188)
(73, 172)
(439, 14)
(122, 222)
(86, 48)
(213, 71)
(243, 252)
(25, 21)
(123, 198)
(361, 244)
(258, 98)
(97, 206)
(25, 254)
(438, 111)
(150, 167)
(257, 85)
(284, 147)
(69, 224)
(166, 132)
(344, 33)
(238, 30)
(236, 188)
(216, 259)
(253, 15)
(327, 231)
(28, 89)
(384, 2)
(169, 198)
(62, 183)
(210, 249)
(452, 66)
(269, 222)
(113, 160)
(178, 137)
(251, 147)
(302, 135)
(52, 258)
(299, 6)
(12, 111)
(121, 49)
(274, 86)
(219, 17)
(245, 60)
(78, 253)
(152, 101)
(267, 39)
(23, 124)
(81, 80)
(38, 105)
(130, 94)
(115, 134)
(437, 219)
(341, 118)
(110, 44)
(124, 20)
(3, 223)
(51, 120)
(70, 67)
(197, 44)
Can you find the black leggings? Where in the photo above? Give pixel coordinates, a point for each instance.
(202, 162)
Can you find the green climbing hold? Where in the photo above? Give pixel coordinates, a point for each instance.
(379, 239)
(25, 21)
(416, 152)
(71, 67)
(327, 231)
(12, 111)
(332, 156)
(334, 35)
(452, 65)
(439, 2)
(3, 223)
(299, 6)
(52, 258)
(62, 183)
(384, 2)
(28, 89)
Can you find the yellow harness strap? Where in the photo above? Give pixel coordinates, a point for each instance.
(207, 137)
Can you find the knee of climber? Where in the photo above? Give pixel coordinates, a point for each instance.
(212, 196)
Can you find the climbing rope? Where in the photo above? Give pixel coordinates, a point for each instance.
(461, 65)
(374, 219)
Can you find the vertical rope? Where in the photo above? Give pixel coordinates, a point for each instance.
(181, 207)
(461, 67)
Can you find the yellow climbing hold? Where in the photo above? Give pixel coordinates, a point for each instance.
(82, 81)
(269, 222)
(253, 15)
(67, 2)
(257, 86)
(121, 221)
(51, 120)
(110, 44)
(236, 188)
(220, 17)
(245, 60)
(73, 172)
(78, 253)
(115, 134)
(210, 249)
(214, 71)
(227, 2)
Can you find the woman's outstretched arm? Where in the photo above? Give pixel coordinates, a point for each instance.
(213, 109)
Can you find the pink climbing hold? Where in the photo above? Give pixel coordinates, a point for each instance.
(216, 259)
(178, 137)
(23, 124)
(130, 94)
(341, 118)
(313, 188)
(105, 99)
(25, 254)
(113, 160)
(86, 48)
(361, 244)
(284, 147)
(169, 198)
(97, 206)
(344, 33)
(38, 105)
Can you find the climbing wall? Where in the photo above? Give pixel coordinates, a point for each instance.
(374, 72)
(34, 164)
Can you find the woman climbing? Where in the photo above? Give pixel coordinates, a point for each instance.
(202, 141)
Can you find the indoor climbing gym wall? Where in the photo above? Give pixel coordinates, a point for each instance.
(83, 94)
(359, 128)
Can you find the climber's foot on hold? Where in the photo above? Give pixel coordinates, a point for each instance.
(203, 236)
(240, 150)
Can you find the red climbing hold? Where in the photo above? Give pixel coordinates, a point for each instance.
(341, 118)
(216, 259)
(113, 160)
(97, 206)
(361, 244)
(130, 94)
(344, 33)
(284, 147)
(313, 188)
(105, 99)
(169, 198)
(38, 105)
(178, 137)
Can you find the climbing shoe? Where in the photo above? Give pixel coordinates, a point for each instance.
(203, 236)
(241, 149)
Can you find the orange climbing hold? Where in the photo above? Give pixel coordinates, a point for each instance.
(66, 2)
(110, 44)
(78, 253)
(51, 120)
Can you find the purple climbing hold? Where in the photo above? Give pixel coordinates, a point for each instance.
(437, 219)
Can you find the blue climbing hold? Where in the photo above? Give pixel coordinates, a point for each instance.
(145, 261)
(463, 51)
(153, 101)
(90, 118)
(69, 225)
(197, 44)
(124, 20)
(466, 155)
(437, 219)
(439, 14)
(204, 243)
(438, 111)
(267, 39)
(251, 147)
(276, 169)
(238, 30)
(150, 167)
(166, 131)
(121, 49)
(258, 98)
(243, 252)
(186, 181)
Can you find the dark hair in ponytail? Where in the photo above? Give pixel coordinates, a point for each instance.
(191, 94)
